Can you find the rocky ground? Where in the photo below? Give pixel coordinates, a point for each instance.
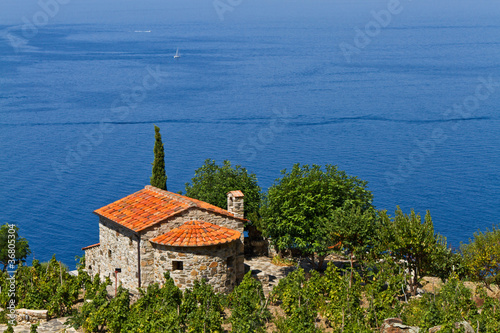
(51, 326)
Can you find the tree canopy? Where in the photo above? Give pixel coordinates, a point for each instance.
(12, 247)
(212, 182)
(482, 256)
(159, 177)
(297, 205)
(408, 239)
(352, 230)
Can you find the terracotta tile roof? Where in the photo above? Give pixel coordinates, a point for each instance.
(152, 205)
(197, 233)
(236, 194)
(90, 246)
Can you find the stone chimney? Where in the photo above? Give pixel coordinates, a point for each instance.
(235, 203)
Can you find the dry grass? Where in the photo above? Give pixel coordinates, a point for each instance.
(284, 262)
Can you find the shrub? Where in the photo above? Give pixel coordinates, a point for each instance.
(248, 304)
(482, 256)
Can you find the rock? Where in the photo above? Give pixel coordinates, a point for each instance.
(395, 325)
(466, 326)
(435, 329)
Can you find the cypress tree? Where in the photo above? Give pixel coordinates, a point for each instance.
(159, 177)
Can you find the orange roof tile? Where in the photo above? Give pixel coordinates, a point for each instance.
(152, 205)
(90, 246)
(236, 194)
(197, 233)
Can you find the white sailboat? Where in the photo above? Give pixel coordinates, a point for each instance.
(177, 54)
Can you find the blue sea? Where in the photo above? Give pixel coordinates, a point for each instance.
(403, 94)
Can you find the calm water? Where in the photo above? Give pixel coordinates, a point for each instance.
(266, 87)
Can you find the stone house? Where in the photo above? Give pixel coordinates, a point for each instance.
(152, 231)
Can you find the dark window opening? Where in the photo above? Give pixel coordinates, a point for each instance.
(109, 253)
(230, 262)
(177, 266)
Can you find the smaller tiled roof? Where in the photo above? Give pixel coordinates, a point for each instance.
(197, 233)
(236, 194)
(90, 246)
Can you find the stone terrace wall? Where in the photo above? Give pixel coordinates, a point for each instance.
(209, 262)
(148, 254)
(93, 260)
(118, 249)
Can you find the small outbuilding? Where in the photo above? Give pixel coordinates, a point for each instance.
(153, 231)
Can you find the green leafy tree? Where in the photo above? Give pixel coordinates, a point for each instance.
(296, 206)
(408, 239)
(159, 177)
(212, 182)
(482, 256)
(12, 247)
(352, 230)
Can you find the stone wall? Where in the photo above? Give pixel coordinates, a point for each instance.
(25, 316)
(207, 262)
(93, 260)
(117, 249)
(147, 253)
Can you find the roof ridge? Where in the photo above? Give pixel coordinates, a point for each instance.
(192, 202)
(171, 195)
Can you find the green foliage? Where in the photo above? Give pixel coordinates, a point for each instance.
(159, 177)
(299, 301)
(46, 286)
(352, 230)
(248, 305)
(157, 310)
(384, 286)
(297, 205)
(94, 312)
(408, 239)
(9, 329)
(202, 308)
(453, 304)
(18, 247)
(482, 256)
(212, 182)
(342, 301)
(33, 328)
(489, 316)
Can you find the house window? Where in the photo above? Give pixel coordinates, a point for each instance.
(177, 266)
(230, 262)
(109, 253)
